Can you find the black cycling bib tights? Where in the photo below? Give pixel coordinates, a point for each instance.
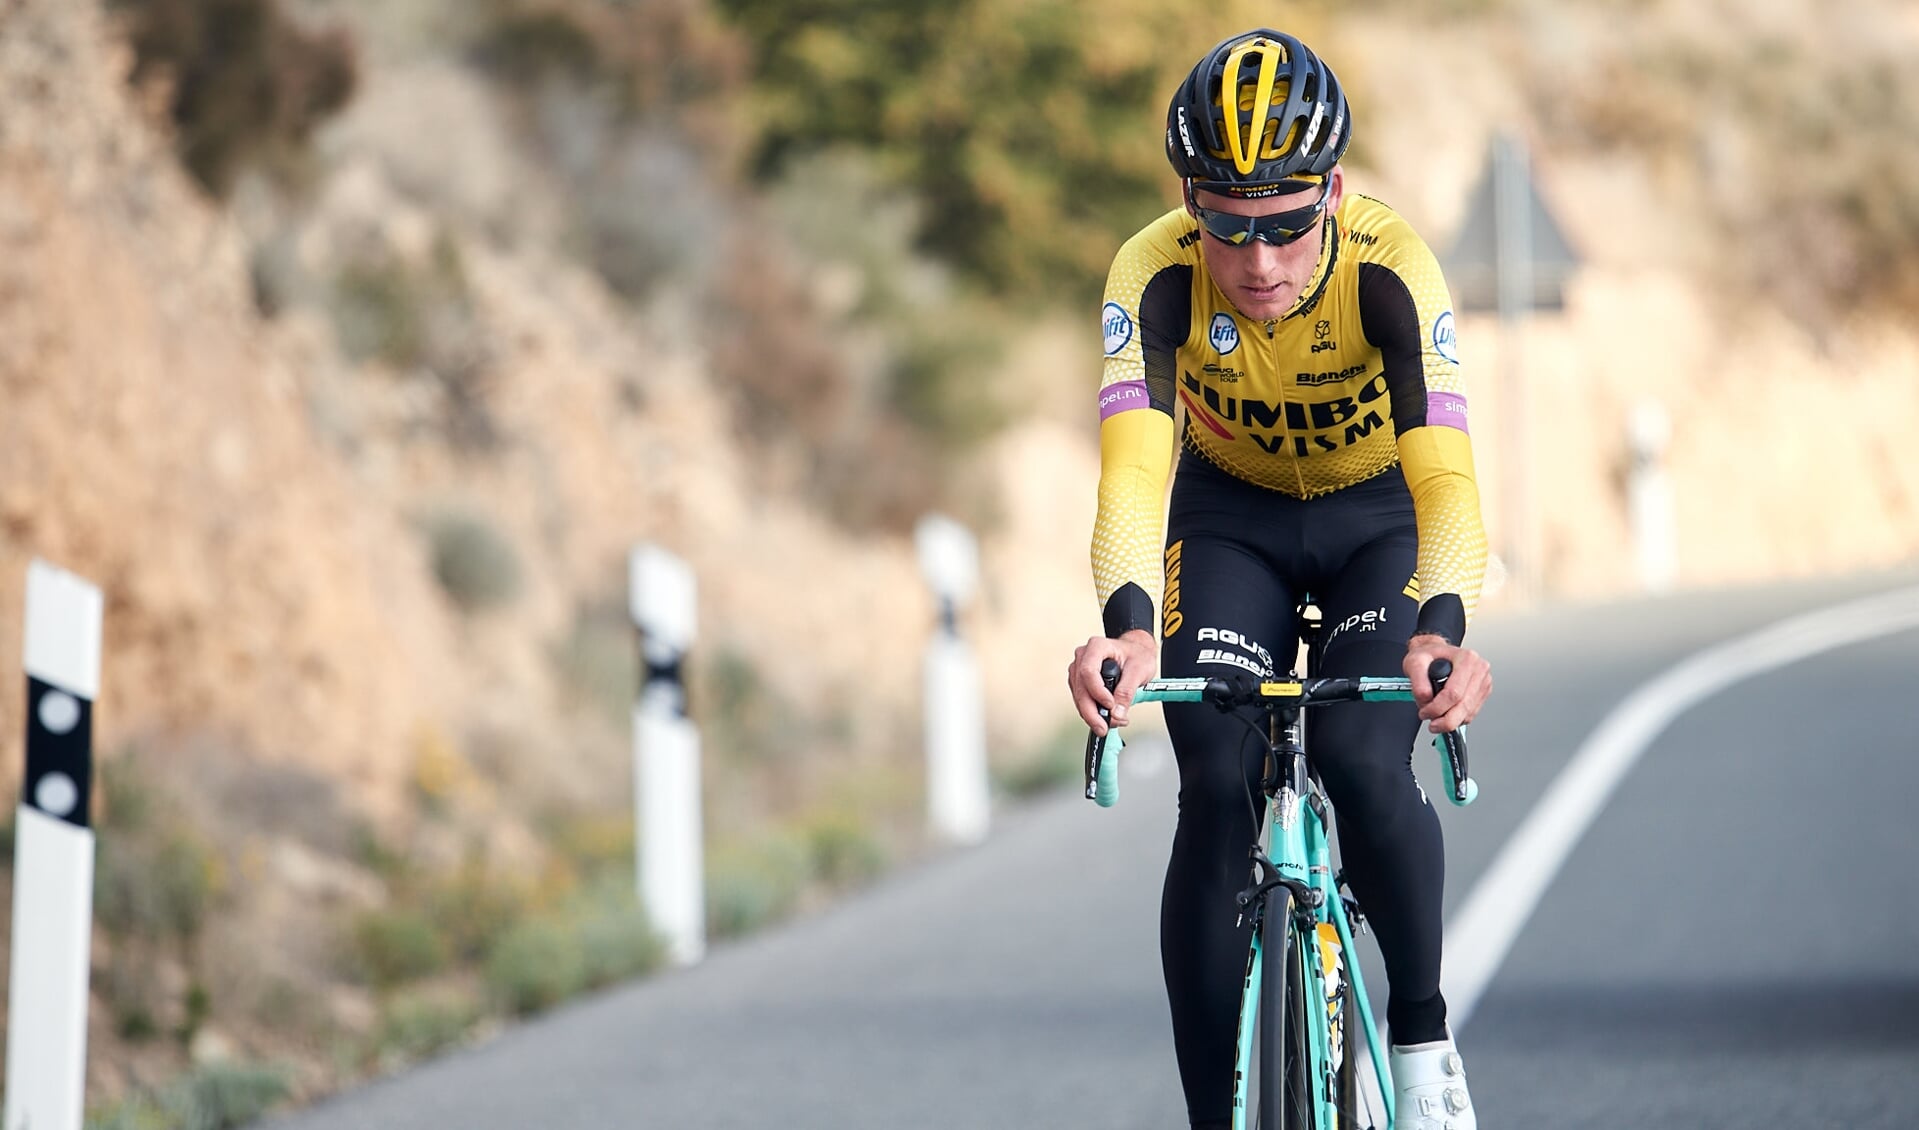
(1239, 558)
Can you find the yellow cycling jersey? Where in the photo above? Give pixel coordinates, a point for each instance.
(1361, 375)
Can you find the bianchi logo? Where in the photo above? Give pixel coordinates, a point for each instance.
(1446, 338)
(1118, 327)
(1224, 333)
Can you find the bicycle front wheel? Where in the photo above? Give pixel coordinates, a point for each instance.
(1285, 1098)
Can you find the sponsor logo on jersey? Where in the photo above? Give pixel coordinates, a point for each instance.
(1322, 330)
(1446, 338)
(1172, 618)
(1446, 410)
(1246, 643)
(1118, 326)
(1299, 427)
(1232, 659)
(1329, 377)
(1367, 621)
(1364, 239)
(1224, 374)
(1224, 334)
(1123, 396)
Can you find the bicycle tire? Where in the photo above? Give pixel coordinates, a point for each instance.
(1285, 1097)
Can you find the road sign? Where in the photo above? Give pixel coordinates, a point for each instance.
(1509, 237)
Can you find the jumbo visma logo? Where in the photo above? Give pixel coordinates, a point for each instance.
(1224, 334)
(1117, 325)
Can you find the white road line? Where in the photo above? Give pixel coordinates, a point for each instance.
(1484, 928)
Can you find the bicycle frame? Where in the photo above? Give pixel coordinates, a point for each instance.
(1298, 856)
(1298, 850)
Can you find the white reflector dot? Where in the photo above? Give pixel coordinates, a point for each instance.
(57, 795)
(59, 712)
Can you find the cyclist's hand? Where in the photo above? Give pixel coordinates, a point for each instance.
(1466, 689)
(1138, 655)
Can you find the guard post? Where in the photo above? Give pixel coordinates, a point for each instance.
(957, 789)
(670, 864)
(53, 857)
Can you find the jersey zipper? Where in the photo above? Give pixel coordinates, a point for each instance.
(1279, 390)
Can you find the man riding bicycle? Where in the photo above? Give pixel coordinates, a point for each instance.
(1308, 335)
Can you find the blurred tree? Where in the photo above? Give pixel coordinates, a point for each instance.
(246, 84)
(1029, 129)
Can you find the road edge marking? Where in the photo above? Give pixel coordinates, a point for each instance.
(1482, 931)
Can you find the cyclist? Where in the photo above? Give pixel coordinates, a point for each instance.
(1306, 333)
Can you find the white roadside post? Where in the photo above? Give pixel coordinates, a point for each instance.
(671, 866)
(1649, 497)
(53, 857)
(957, 795)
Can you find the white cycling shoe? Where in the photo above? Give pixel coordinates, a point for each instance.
(1429, 1088)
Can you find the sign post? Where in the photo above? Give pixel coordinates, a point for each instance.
(670, 864)
(958, 793)
(1511, 257)
(53, 857)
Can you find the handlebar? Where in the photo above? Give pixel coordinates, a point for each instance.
(1102, 755)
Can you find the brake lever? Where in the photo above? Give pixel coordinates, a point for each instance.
(1461, 789)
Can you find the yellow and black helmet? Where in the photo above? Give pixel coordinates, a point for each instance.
(1258, 109)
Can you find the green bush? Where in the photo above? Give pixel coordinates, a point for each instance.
(475, 564)
(535, 965)
(750, 886)
(215, 1097)
(616, 940)
(248, 83)
(413, 1027)
(393, 947)
(473, 908)
(1053, 764)
(842, 851)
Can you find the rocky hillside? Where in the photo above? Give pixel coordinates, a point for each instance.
(364, 641)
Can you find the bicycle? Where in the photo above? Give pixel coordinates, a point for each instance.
(1301, 990)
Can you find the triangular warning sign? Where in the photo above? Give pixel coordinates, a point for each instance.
(1472, 266)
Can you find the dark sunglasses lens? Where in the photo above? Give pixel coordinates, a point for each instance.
(1279, 229)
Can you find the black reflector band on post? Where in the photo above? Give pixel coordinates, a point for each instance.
(59, 778)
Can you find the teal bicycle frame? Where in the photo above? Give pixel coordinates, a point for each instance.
(1298, 864)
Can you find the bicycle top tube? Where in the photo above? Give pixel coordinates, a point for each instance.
(1278, 693)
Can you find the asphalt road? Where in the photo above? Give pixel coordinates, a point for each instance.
(1735, 942)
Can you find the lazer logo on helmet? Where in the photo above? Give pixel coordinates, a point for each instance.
(1224, 334)
(1118, 327)
(1185, 136)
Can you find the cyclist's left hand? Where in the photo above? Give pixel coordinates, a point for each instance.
(1466, 688)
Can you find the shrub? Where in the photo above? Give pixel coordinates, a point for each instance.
(475, 564)
(1053, 764)
(535, 965)
(842, 851)
(750, 886)
(247, 84)
(215, 1097)
(393, 947)
(616, 940)
(415, 1026)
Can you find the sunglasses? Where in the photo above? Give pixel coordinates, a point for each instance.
(1278, 229)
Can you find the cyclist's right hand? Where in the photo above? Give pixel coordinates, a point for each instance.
(1138, 655)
